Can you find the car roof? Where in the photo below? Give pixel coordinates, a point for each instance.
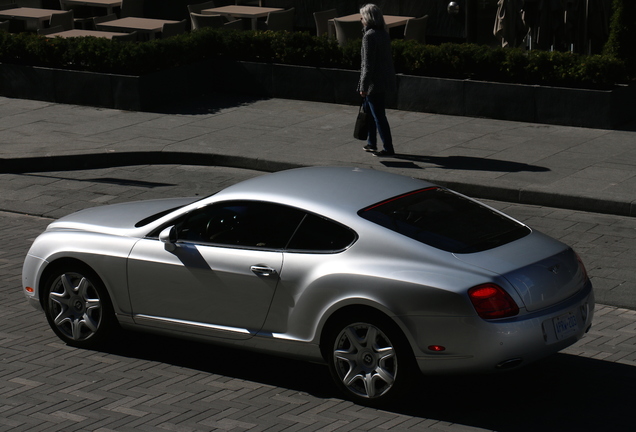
(326, 190)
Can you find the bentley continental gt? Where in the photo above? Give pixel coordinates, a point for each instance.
(377, 275)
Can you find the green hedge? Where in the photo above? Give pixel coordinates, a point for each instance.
(623, 33)
(446, 60)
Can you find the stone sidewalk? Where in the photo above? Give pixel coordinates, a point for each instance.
(557, 166)
(48, 153)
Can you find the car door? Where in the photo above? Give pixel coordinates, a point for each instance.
(221, 276)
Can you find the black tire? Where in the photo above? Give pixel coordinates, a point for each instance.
(370, 359)
(77, 306)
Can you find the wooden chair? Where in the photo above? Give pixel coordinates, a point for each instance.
(279, 21)
(415, 29)
(347, 31)
(170, 30)
(322, 21)
(64, 19)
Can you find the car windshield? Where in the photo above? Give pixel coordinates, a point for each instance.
(445, 220)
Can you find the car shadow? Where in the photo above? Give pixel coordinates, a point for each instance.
(465, 163)
(561, 393)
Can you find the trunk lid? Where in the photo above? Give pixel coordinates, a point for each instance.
(542, 270)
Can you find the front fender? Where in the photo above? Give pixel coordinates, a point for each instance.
(105, 255)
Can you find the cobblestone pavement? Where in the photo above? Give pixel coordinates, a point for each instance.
(150, 383)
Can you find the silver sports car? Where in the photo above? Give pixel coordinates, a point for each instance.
(377, 275)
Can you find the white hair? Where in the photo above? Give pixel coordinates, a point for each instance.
(372, 16)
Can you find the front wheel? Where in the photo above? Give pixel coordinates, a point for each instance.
(370, 361)
(77, 307)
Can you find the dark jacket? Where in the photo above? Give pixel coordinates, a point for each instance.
(377, 72)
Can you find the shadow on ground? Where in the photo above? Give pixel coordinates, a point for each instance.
(206, 104)
(465, 163)
(562, 393)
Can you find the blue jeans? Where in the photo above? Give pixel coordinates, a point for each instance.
(374, 104)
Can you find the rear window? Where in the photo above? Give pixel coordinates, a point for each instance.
(445, 220)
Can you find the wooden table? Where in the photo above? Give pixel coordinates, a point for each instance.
(390, 21)
(150, 26)
(250, 12)
(108, 4)
(29, 15)
(83, 33)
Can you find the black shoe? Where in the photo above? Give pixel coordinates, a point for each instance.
(384, 153)
(369, 148)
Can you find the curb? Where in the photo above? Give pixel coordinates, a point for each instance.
(108, 160)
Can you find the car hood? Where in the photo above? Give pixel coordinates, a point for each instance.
(542, 270)
(123, 216)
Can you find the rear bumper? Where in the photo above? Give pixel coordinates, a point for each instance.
(473, 345)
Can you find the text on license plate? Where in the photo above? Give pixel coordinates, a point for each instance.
(565, 325)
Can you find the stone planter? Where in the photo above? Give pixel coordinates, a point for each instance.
(136, 93)
(606, 109)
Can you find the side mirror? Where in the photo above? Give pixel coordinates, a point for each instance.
(169, 238)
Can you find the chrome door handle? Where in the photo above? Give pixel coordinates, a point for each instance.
(263, 270)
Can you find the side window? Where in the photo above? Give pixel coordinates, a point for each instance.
(241, 223)
(317, 234)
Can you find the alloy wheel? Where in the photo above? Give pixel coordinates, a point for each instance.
(365, 360)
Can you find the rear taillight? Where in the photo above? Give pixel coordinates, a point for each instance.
(492, 302)
(582, 266)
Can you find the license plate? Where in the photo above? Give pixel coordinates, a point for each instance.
(565, 325)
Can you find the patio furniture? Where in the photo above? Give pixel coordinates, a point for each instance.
(415, 29)
(85, 10)
(234, 25)
(322, 21)
(50, 30)
(132, 8)
(65, 20)
(125, 37)
(278, 21)
(27, 19)
(198, 7)
(346, 31)
(198, 20)
(173, 29)
(146, 28)
(103, 19)
(73, 33)
(249, 12)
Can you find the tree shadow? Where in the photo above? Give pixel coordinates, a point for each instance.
(561, 393)
(465, 163)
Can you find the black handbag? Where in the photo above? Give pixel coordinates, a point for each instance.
(361, 129)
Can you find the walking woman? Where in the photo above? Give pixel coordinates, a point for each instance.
(377, 78)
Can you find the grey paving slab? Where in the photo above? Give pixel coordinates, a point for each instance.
(150, 383)
(161, 384)
(579, 168)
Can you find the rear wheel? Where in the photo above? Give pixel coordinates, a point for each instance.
(370, 360)
(77, 306)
